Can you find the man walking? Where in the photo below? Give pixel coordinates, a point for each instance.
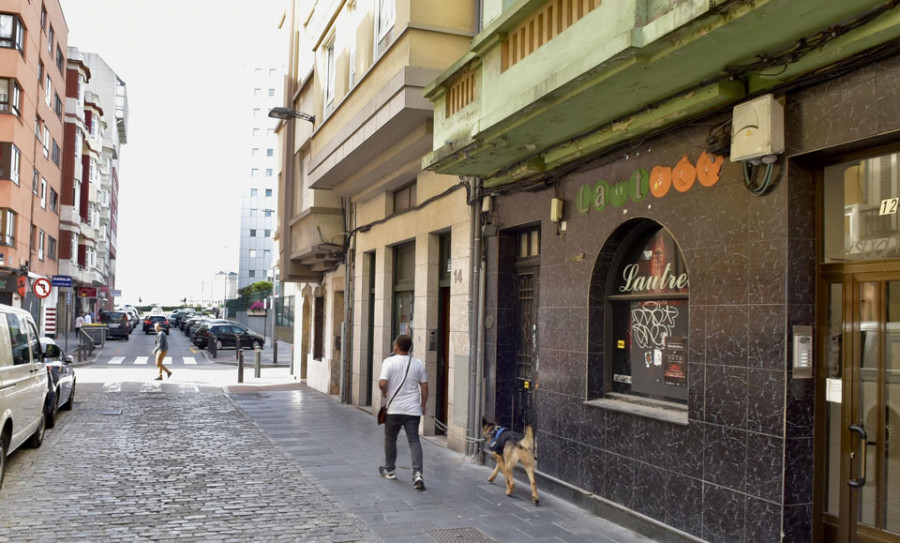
(403, 379)
(162, 347)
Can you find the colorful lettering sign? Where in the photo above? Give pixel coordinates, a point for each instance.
(658, 182)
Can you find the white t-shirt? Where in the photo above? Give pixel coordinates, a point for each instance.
(409, 400)
(79, 320)
(87, 318)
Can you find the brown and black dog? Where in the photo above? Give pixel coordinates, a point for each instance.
(510, 448)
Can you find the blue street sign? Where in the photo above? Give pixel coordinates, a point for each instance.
(61, 281)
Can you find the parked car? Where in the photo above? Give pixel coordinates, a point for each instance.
(118, 324)
(60, 380)
(200, 332)
(150, 323)
(193, 324)
(132, 316)
(173, 319)
(23, 384)
(224, 336)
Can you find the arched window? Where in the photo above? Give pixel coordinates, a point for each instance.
(640, 310)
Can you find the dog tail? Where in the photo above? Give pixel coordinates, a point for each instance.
(527, 442)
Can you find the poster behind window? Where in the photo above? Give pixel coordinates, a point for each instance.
(659, 329)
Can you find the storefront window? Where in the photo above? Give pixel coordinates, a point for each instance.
(861, 205)
(647, 300)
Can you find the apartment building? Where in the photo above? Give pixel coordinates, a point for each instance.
(692, 258)
(96, 130)
(260, 191)
(33, 37)
(375, 245)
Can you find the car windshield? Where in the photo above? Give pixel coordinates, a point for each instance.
(113, 316)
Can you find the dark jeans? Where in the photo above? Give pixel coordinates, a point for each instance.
(410, 425)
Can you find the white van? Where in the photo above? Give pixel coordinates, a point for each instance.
(23, 383)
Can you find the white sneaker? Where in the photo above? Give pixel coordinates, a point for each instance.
(386, 473)
(418, 481)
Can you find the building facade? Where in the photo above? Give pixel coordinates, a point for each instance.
(260, 191)
(96, 130)
(33, 38)
(375, 245)
(690, 233)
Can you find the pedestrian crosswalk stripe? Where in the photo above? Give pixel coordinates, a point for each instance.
(190, 360)
(116, 360)
(141, 360)
(145, 360)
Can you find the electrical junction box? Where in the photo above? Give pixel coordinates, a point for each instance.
(556, 209)
(757, 129)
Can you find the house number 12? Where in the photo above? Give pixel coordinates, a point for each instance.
(889, 206)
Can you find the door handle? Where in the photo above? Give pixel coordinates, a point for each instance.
(859, 482)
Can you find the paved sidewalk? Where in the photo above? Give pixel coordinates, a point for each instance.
(342, 447)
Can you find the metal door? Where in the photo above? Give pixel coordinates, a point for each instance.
(526, 346)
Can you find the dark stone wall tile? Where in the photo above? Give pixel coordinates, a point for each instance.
(620, 433)
(563, 283)
(767, 336)
(727, 336)
(765, 402)
(685, 453)
(800, 405)
(650, 484)
(652, 441)
(798, 523)
(563, 329)
(726, 396)
(801, 202)
(594, 431)
(695, 260)
(767, 271)
(723, 515)
(801, 277)
(593, 470)
(766, 217)
(562, 371)
(620, 480)
(684, 510)
(798, 471)
(697, 392)
(725, 457)
(725, 274)
(571, 463)
(697, 338)
(763, 521)
(764, 467)
(559, 414)
(547, 452)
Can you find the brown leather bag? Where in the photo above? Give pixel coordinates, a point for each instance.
(382, 414)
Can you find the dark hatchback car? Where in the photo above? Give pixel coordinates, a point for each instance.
(150, 323)
(118, 323)
(60, 380)
(225, 335)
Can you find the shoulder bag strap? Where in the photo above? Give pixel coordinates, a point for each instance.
(394, 395)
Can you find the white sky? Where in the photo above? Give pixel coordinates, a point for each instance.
(185, 162)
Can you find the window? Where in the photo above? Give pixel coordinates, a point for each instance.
(48, 92)
(10, 95)
(271, 92)
(57, 105)
(273, 72)
(645, 315)
(10, 162)
(268, 213)
(43, 18)
(319, 327)
(252, 232)
(43, 193)
(50, 36)
(256, 92)
(54, 199)
(51, 247)
(7, 227)
(267, 232)
(405, 198)
(254, 193)
(252, 274)
(45, 141)
(269, 172)
(254, 172)
(12, 33)
(268, 193)
(385, 18)
(54, 155)
(252, 253)
(329, 76)
(254, 151)
(40, 245)
(252, 212)
(41, 71)
(270, 152)
(35, 181)
(256, 112)
(255, 132)
(267, 254)
(60, 60)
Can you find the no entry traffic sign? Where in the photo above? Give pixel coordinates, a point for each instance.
(41, 287)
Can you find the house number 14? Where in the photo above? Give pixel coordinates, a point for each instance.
(889, 206)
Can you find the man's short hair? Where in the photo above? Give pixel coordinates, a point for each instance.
(157, 326)
(403, 342)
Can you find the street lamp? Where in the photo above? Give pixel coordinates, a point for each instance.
(285, 113)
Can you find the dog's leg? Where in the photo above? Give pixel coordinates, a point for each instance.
(498, 459)
(511, 458)
(534, 495)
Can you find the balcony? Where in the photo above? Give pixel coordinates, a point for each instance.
(542, 87)
(316, 237)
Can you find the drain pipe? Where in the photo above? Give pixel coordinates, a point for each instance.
(479, 365)
(473, 424)
(346, 329)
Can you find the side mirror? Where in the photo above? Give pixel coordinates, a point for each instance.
(69, 359)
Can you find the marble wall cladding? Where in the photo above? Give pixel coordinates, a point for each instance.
(684, 508)
(650, 484)
(563, 371)
(560, 414)
(763, 521)
(725, 457)
(593, 470)
(797, 523)
(727, 335)
(726, 396)
(765, 456)
(801, 201)
(800, 407)
(767, 268)
(767, 336)
(723, 515)
(798, 478)
(801, 279)
(696, 391)
(725, 274)
(765, 401)
(620, 479)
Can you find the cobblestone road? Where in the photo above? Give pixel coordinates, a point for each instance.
(161, 464)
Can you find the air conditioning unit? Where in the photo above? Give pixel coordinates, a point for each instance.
(757, 129)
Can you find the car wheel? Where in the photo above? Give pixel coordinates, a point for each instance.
(52, 408)
(255, 345)
(3, 446)
(71, 401)
(218, 344)
(38, 436)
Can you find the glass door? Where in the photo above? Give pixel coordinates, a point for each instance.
(862, 411)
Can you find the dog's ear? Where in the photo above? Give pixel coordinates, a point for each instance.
(484, 421)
